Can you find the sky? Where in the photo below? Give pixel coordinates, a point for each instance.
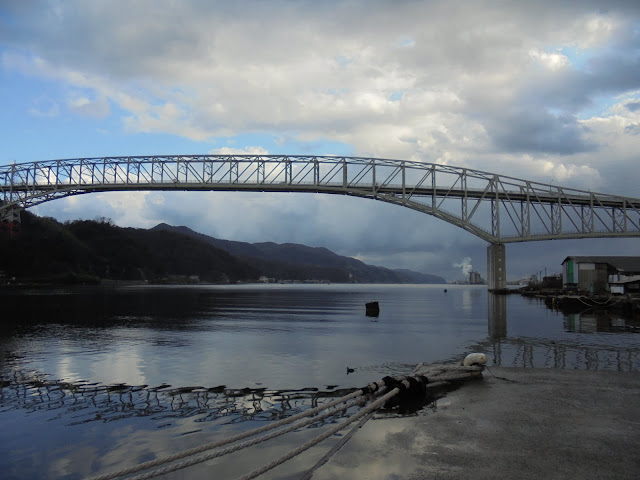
(546, 91)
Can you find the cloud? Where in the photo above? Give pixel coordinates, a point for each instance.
(86, 107)
(552, 61)
(44, 106)
(632, 129)
(546, 91)
(215, 79)
(531, 131)
(251, 150)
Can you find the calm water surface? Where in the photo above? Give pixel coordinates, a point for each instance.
(92, 380)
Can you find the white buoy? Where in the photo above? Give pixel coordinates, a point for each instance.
(475, 359)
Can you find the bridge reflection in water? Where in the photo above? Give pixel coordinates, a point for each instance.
(83, 402)
(581, 353)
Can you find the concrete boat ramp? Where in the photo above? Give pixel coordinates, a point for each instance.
(514, 423)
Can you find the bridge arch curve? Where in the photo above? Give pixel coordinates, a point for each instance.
(497, 208)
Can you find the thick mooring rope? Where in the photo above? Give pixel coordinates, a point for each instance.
(336, 447)
(373, 387)
(438, 375)
(596, 304)
(368, 409)
(248, 443)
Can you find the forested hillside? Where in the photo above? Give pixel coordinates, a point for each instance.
(91, 251)
(87, 251)
(295, 261)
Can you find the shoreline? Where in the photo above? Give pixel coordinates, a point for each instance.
(515, 423)
(569, 303)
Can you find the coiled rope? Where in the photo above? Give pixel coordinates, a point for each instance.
(438, 375)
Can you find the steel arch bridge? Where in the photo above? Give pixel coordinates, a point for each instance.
(497, 208)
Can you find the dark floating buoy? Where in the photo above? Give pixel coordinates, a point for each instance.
(445, 290)
(372, 309)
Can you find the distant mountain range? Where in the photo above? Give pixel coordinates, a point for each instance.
(91, 251)
(292, 261)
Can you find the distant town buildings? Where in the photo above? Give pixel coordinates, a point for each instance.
(475, 278)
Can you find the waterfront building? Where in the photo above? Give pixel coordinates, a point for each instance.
(599, 274)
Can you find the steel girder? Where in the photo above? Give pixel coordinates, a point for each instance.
(496, 208)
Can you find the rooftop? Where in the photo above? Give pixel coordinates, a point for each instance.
(625, 264)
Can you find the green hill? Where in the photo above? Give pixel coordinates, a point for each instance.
(86, 251)
(90, 251)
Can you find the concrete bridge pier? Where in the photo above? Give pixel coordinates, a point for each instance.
(497, 268)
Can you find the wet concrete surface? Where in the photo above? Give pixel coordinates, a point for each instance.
(516, 423)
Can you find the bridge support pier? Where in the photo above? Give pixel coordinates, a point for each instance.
(497, 268)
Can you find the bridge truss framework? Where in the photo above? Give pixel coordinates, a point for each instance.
(497, 208)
